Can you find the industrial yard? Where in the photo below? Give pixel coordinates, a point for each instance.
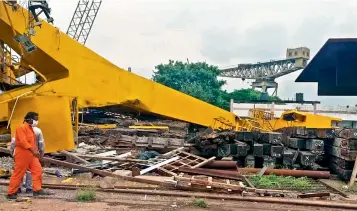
(78, 132)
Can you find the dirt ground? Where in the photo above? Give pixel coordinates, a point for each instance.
(65, 200)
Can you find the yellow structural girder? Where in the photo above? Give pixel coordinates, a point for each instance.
(74, 71)
(294, 118)
(54, 119)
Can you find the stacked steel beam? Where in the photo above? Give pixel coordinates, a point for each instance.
(292, 148)
(341, 152)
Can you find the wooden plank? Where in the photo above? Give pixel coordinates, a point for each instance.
(204, 162)
(191, 155)
(167, 171)
(333, 188)
(73, 156)
(228, 182)
(212, 184)
(110, 159)
(209, 182)
(173, 152)
(144, 171)
(262, 171)
(246, 180)
(354, 173)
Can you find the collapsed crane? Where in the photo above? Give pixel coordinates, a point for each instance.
(71, 76)
(69, 80)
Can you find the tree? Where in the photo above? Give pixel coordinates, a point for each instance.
(200, 81)
(249, 95)
(196, 79)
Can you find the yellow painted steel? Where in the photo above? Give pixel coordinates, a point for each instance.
(149, 127)
(54, 119)
(74, 71)
(4, 109)
(304, 119)
(102, 126)
(293, 118)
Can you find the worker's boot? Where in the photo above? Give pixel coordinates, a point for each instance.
(19, 191)
(41, 193)
(29, 190)
(11, 196)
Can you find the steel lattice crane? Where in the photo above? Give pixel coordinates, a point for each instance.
(265, 73)
(83, 19)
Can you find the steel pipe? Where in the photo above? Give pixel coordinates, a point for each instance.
(285, 172)
(221, 164)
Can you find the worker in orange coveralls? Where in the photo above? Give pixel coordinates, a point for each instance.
(26, 157)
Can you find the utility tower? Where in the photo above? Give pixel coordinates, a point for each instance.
(265, 73)
(83, 19)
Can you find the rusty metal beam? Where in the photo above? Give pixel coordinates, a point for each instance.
(221, 164)
(213, 173)
(73, 156)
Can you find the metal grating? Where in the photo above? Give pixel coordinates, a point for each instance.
(306, 185)
(83, 19)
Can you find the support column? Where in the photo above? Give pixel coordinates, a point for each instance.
(231, 104)
(272, 109)
(315, 105)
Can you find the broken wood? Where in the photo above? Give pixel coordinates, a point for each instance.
(144, 171)
(333, 188)
(95, 157)
(262, 171)
(73, 156)
(203, 163)
(246, 180)
(173, 152)
(101, 172)
(205, 183)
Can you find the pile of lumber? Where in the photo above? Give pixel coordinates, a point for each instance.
(131, 138)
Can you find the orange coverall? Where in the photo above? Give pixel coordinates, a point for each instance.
(24, 159)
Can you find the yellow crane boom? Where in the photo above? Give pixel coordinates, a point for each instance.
(73, 71)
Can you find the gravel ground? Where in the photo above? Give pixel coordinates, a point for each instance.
(6, 163)
(65, 200)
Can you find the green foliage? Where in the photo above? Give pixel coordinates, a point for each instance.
(280, 182)
(196, 79)
(200, 203)
(85, 195)
(200, 81)
(249, 95)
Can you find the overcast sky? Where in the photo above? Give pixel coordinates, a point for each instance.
(143, 33)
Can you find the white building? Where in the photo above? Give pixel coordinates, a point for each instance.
(348, 115)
